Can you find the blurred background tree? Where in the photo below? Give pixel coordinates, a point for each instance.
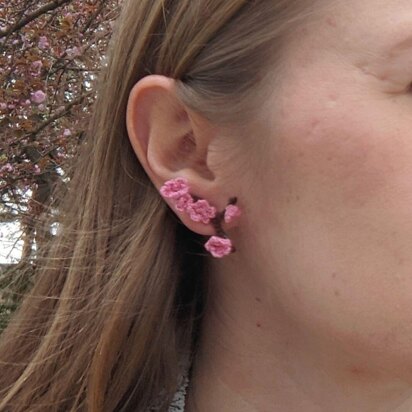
(50, 54)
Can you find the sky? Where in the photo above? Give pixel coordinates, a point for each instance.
(10, 245)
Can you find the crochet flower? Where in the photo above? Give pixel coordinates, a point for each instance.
(183, 202)
(231, 212)
(175, 188)
(218, 246)
(201, 211)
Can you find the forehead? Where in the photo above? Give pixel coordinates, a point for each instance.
(387, 22)
(375, 29)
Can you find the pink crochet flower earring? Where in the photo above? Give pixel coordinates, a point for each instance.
(200, 210)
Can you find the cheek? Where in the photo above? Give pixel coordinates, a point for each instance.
(351, 157)
(339, 188)
(344, 154)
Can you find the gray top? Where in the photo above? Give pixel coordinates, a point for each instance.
(178, 402)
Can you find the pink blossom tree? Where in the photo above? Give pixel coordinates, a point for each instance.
(50, 54)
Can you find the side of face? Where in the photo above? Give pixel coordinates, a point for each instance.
(333, 236)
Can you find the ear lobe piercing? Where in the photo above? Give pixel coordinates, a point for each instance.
(200, 210)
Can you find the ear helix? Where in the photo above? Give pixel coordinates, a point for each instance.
(200, 210)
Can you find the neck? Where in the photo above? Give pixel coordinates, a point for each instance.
(254, 357)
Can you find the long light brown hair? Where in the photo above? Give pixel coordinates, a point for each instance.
(121, 288)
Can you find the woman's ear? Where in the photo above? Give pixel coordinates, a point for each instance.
(172, 141)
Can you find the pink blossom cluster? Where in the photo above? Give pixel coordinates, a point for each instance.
(43, 43)
(26, 41)
(25, 102)
(200, 211)
(38, 97)
(35, 68)
(8, 167)
(11, 105)
(73, 52)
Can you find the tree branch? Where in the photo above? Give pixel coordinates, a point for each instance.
(52, 5)
(94, 16)
(59, 114)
